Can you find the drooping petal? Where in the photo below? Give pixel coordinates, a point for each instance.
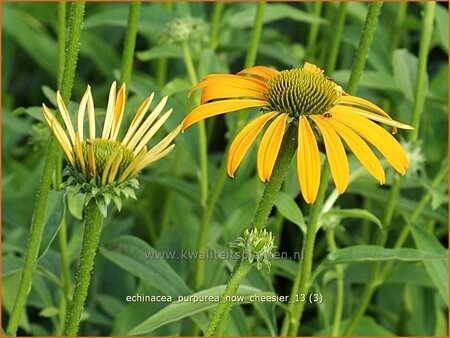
(312, 68)
(78, 150)
(109, 163)
(377, 117)
(164, 143)
(270, 146)
(81, 111)
(376, 135)
(216, 108)
(223, 92)
(261, 71)
(337, 159)
(118, 112)
(145, 125)
(66, 116)
(308, 161)
(244, 139)
(361, 150)
(138, 118)
(355, 100)
(230, 80)
(109, 112)
(147, 160)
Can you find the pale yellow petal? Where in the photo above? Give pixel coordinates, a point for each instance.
(147, 160)
(361, 150)
(244, 139)
(115, 167)
(140, 114)
(270, 146)
(308, 161)
(78, 150)
(81, 111)
(66, 117)
(336, 157)
(118, 112)
(216, 108)
(376, 135)
(91, 117)
(109, 112)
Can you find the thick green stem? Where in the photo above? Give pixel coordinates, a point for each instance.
(215, 24)
(301, 284)
(37, 223)
(374, 275)
(250, 58)
(130, 42)
(364, 44)
(339, 300)
(61, 39)
(91, 237)
(219, 318)
(336, 41)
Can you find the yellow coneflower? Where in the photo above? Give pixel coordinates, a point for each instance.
(301, 96)
(102, 166)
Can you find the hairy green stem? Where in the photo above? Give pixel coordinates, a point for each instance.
(338, 28)
(373, 279)
(37, 223)
(221, 177)
(250, 58)
(215, 24)
(130, 42)
(339, 300)
(302, 281)
(287, 151)
(219, 318)
(365, 41)
(91, 237)
(61, 39)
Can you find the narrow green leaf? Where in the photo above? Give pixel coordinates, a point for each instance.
(364, 253)
(179, 310)
(49, 312)
(288, 208)
(54, 216)
(338, 214)
(437, 269)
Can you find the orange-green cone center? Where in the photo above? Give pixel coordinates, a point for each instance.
(301, 92)
(103, 150)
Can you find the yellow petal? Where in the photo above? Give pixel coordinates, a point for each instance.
(264, 72)
(66, 117)
(81, 111)
(244, 139)
(308, 161)
(225, 91)
(78, 150)
(270, 146)
(147, 160)
(118, 112)
(361, 150)
(164, 143)
(376, 135)
(349, 99)
(109, 111)
(138, 118)
(337, 159)
(376, 117)
(217, 108)
(91, 117)
(230, 80)
(312, 68)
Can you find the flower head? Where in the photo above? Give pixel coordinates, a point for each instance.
(309, 99)
(103, 167)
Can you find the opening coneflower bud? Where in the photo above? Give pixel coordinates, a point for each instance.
(301, 92)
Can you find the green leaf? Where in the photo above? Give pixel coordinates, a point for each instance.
(364, 253)
(288, 208)
(441, 30)
(179, 310)
(335, 215)
(175, 86)
(437, 269)
(273, 12)
(54, 216)
(167, 51)
(49, 312)
(75, 204)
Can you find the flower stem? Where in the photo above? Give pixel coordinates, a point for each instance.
(37, 223)
(250, 58)
(219, 318)
(373, 279)
(398, 26)
(91, 237)
(301, 285)
(314, 31)
(61, 39)
(287, 151)
(215, 24)
(336, 41)
(365, 41)
(130, 42)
